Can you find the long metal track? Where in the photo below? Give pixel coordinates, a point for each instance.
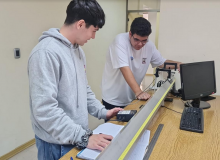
(153, 142)
(123, 142)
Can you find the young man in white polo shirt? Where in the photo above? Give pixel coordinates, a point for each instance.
(127, 61)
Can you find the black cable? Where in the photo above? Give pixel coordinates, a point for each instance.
(115, 120)
(119, 120)
(186, 103)
(138, 99)
(142, 92)
(160, 83)
(145, 89)
(182, 101)
(172, 110)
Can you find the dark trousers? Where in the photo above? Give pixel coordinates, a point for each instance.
(110, 106)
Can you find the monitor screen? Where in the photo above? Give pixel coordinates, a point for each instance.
(197, 79)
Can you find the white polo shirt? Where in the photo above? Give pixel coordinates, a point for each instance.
(115, 89)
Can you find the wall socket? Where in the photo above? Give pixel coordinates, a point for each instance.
(17, 53)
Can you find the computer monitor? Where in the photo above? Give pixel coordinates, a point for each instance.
(197, 80)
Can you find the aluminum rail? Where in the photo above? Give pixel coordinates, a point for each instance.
(124, 141)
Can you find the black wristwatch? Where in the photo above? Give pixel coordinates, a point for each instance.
(84, 140)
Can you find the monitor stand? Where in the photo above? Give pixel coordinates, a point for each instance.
(208, 98)
(198, 104)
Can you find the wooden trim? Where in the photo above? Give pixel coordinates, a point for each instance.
(149, 74)
(18, 150)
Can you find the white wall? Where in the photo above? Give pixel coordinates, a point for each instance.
(21, 23)
(138, 4)
(190, 31)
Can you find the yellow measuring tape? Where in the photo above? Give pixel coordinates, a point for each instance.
(143, 126)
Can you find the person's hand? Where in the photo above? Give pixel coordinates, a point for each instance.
(99, 141)
(143, 96)
(113, 112)
(178, 66)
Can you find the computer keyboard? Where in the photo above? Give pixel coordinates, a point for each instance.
(192, 119)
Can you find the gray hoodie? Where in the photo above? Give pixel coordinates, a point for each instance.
(60, 97)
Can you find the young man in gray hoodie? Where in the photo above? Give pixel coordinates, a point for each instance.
(60, 97)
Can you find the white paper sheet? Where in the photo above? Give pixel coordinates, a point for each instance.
(106, 128)
(138, 151)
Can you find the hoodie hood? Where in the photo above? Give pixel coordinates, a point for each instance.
(55, 33)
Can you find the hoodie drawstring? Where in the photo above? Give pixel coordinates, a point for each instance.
(71, 51)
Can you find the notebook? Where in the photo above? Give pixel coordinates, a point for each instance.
(137, 152)
(106, 128)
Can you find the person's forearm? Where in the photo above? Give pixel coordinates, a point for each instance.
(95, 108)
(129, 77)
(170, 66)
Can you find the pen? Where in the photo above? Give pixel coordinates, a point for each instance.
(71, 158)
(141, 106)
(108, 139)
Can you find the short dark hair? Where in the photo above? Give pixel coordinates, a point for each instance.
(141, 27)
(88, 10)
